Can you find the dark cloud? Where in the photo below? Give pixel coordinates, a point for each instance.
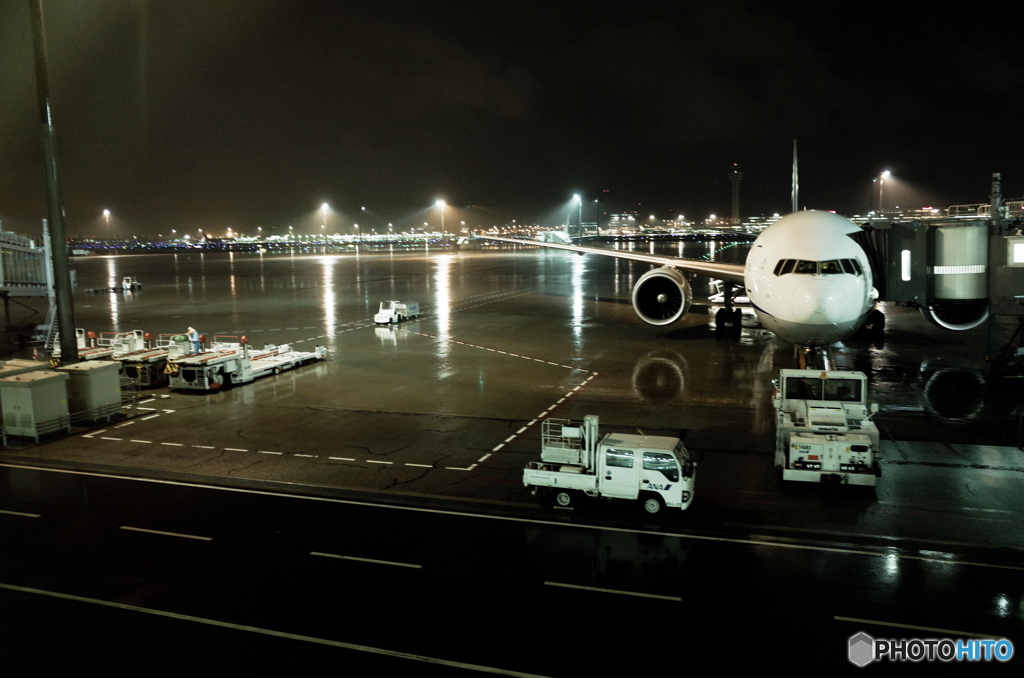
(208, 113)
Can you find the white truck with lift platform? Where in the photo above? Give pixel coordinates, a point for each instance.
(657, 470)
(228, 363)
(823, 428)
(391, 312)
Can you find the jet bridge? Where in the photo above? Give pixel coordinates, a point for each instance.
(960, 266)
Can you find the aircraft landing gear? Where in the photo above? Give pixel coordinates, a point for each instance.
(728, 319)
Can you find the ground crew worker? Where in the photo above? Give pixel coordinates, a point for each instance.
(193, 336)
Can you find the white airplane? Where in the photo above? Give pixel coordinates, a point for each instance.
(807, 280)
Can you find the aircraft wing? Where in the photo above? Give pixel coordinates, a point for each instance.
(727, 272)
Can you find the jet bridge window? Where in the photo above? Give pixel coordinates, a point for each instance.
(665, 463)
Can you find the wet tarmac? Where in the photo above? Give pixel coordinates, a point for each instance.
(448, 405)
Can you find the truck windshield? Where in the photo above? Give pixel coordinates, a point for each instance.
(845, 390)
(663, 462)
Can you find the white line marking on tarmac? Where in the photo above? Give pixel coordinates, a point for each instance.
(267, 452)
(928, 629)
(147, 442)
(152, 416)
(235, 449)
(341, 458)
(621, 593)
(581, 526)
(166, 534)
(274, 634)
(19, 513)
(365, 560)
(205, 447)
(174, 444)
(420, 465)
(376, 461)
(127, 423)
(109, 438)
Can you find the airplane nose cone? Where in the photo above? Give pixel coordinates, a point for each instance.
(820, 301)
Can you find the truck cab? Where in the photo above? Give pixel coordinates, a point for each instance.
(656, 470)
(824, 431)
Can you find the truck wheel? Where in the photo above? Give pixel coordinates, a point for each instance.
(563, 499)
(653, 504)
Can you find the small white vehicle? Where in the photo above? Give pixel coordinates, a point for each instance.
(657, 470)
(823, 428)
(396, 311)
(130, 283)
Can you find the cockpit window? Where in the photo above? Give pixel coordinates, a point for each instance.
(784, 266)
(833, 267)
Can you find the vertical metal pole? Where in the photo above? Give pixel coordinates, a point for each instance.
(58, 237)
(796, 182)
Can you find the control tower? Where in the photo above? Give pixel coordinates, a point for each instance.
(735, 176)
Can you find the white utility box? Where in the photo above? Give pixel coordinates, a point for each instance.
(34, 403)
(94, 389)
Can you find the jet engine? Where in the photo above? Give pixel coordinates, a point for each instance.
(661, 296)
(953, 315)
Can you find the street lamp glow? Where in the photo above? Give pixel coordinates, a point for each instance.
(881, 185)
(441, 204)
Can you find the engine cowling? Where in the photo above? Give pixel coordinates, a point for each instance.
(957, 315)
(661, 296)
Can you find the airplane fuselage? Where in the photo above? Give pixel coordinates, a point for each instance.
(807, 280)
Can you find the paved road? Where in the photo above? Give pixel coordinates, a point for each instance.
(126, 575)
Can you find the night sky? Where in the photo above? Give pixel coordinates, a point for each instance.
(211, 114)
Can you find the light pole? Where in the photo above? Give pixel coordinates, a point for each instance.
(106, 218)
(441, 204)
(881, 185)
(323, 209)
(579, 206)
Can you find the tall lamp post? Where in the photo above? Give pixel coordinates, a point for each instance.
(323, 210)
(441, 204)
(881, 185)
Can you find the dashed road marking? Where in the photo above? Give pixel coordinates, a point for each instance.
(166, 534)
